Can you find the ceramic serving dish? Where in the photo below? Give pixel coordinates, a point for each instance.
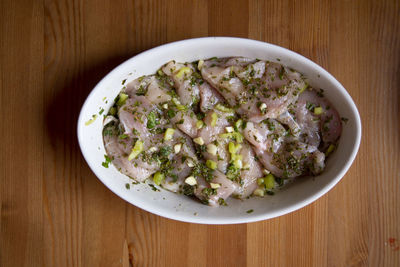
(179, 207)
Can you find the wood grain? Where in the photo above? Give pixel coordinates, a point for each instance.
(54, 212)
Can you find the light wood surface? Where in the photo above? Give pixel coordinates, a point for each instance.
(54, 211)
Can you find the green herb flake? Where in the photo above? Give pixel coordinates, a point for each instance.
(171, 113)
(152, 120)
(127, 186)
(222, 202)
(154, 188)
(107, 161)
(123, 136)
(250, 211)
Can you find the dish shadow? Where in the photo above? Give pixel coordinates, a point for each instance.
(65, 100)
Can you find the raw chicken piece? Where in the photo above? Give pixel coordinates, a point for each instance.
(180, 169)
(214, 135)
(213, 196)
(142, 121)
(136, 169)
(210, 132)
(153, 89)
(209, 97)
(186, 81)
(293, 159)
(134, 116)
(267, 135)
(258, 90)
(328, 123)
(185, 120)
(249, 174)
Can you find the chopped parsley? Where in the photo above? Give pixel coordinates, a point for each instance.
(222, 202)
(209, 191)
(141, 91)
(154, 188)
(250, 211)
(188, 190)
(123, 136)
(171, 113)
(152, 120)
(310, 106)
(106, 162)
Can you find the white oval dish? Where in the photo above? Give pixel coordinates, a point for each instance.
(179, 207)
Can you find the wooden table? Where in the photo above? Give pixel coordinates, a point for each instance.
(55, 212)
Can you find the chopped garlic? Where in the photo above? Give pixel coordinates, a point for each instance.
(190, 163)
(263, 106)
(200, 64)
(199, 124)
(191, 180)
(229, 129)
(152, 149)
(199, 141)
(265, 171)
(176, 101)
(238, 163)
(165, 106)
(177, 148)
(258, 192)
(212, 149)
(215, 186)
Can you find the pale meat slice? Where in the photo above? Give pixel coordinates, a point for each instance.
(210, 132)
(282, 87)
(267, 135)
(212, 137)
(185, 82)
(251, 171)
(180, 169)
(259, 90)
(134, 125)
(227, 187)
(209, 97)
(157, 91)
(328, 123)
(152, 88)
(185, 120)
(293, 159)
(222, 79)
(136, 169)
(134, 116)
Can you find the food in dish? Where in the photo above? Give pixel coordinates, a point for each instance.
(221, 127)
